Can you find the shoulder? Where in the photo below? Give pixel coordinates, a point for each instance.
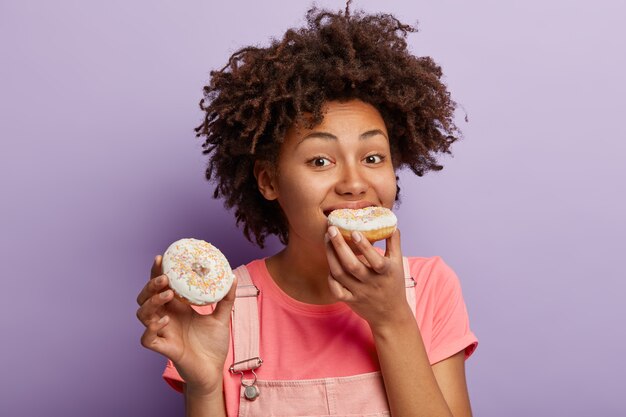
(252, 268)
(253, 273)
(433, 270)
(435, 279)
(254, 265)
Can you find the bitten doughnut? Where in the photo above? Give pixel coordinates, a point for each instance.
(197, 271)
(375, 223)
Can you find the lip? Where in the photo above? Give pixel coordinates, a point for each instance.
(353, 205)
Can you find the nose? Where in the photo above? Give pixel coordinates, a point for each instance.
(351, 182)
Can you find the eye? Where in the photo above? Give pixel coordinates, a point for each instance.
(374, 159)
(319, 162)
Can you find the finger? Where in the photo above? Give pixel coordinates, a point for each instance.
(149, 309)
(340, 292)
(393, 249)
(347, 259)
(152, 287)
(337, 271)
(225, 306)
(156, 269)
(152, 339)
(374, 259)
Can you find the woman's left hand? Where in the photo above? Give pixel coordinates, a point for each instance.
(371, 283)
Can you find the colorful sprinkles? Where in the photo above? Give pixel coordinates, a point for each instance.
(366, 218)
(197, 270)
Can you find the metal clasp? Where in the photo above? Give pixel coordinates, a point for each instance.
(259, 362)
(250, 392)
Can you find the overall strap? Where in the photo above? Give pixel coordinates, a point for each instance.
(245, 324)
(409, 284)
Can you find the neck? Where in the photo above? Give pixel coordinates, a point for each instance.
(301, 271)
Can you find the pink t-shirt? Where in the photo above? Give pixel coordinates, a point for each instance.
(305, 341)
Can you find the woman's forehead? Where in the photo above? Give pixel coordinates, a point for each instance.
(342, 117)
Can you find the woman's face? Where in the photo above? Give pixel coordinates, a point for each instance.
(344, 162)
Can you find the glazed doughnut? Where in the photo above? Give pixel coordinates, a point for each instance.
(197, 271)
(374, 223)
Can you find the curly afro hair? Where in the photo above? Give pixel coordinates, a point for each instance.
(252, 101)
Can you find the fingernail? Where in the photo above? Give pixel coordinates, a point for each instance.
(165, 294)
(160, 280)
(326, 238)
(356, 236)
(332, 231)
(163, 319)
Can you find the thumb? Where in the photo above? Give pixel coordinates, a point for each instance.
(224, 307)
(393, 248)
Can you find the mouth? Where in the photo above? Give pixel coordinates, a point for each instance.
(348, 205)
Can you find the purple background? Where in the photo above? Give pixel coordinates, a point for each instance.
(100, 171)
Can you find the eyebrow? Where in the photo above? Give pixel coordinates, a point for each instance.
(330, 136)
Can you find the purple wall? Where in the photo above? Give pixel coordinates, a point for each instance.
(100, 171)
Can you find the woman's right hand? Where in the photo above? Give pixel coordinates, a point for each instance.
(196, 344)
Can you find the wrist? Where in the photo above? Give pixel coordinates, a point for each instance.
(202, 403)
(204, 392)
(401, 321)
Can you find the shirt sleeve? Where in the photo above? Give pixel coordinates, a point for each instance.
(451, 330)
(172, 377)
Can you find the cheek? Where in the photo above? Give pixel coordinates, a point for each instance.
(296, 191)
(387, 188)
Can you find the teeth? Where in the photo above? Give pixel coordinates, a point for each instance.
(327, 212)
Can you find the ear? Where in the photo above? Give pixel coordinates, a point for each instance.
(266, 179)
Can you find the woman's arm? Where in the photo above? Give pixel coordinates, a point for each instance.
(414, 388)
(201, 405)
(450, 376)
(373, 286)
(196, 344)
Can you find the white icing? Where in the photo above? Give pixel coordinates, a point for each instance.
(365, 219)
(197, 271)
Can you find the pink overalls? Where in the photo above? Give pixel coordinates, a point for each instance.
(358, 395)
